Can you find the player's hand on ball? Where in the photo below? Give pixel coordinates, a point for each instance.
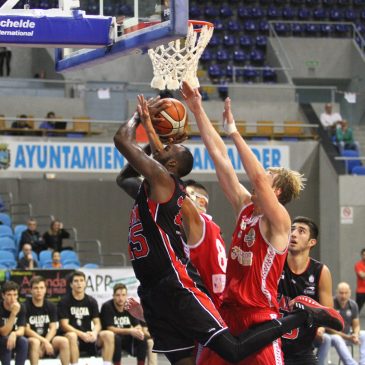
(143, 112)
(157, 105)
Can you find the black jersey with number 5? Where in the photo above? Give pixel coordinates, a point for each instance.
(299, 341)
(155, 245)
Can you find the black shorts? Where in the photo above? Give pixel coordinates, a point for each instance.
(179, 315)
(87, 348)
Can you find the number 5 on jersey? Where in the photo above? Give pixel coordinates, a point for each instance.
(138, 246)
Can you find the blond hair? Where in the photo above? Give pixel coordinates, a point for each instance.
(290, 182)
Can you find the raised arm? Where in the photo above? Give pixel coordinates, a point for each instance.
(276, 218)
(159, 179)
(236, 194)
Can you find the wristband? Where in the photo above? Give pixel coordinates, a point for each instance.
(229, 128)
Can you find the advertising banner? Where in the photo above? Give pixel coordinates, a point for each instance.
(19, 156)
(56, 281)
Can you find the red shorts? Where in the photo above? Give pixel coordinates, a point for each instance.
(239, 320)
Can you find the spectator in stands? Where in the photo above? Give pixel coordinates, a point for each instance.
(48, 123)
(344, 136)
(41, 325)
(32, 236)
(5, 59)
(56, 260)
(360, 274)
(54, 236)
(12, 325)
(80, 323)
(351, 335)
(27, 262)
(329, 119)
(21, 123)
(128, 332)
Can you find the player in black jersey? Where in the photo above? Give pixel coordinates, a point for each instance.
(12, 326)
(128, 332)
(176, 311)
(303, 275)
(79, 321)
(41, 327)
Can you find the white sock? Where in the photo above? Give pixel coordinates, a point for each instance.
(75, 363)
(107, 363)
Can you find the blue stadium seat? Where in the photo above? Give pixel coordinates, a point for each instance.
(45, 258)
(233, 26)
(342, 29)
(194, 11)
(6, 231)
(215, 72)
(360, 28)
(327, 29)
(358, 170)
(126, 9)
(93, 7)
(91, 266)
(320, 14)
(5, 219)
(269, 75)
(18, 230)
(8, 244)
(218, 25)
(228, 72)
(34, 255)
(358, 2)
(336, 15)
(7, 259)
(263, 27)
(297, 29)
(245, 41)
(214, 41)
(240, 56)
(256, 12)
(207, 56)
(351, 163)
(312, 29)
(243, 12)
(222, 55)
(250, 26)
(273, 12)
(71, 265)
(229, 40)
(282, 28)
(261, 41)
(225, 11)
(304, 14)
(329, 3)
(350, 15)
(250, 75)
(69, 255)
(288, 13)
(257, 57)
(211, 11)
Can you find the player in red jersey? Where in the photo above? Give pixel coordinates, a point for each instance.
(260, 240)
(208, 254)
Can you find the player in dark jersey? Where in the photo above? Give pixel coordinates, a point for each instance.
(176, 311)
(12, 326)
(128, 332)
(80, 323)
(41, 327)
(303, 275)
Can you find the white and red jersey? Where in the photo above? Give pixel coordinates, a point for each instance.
(210, 259)
(254, 266)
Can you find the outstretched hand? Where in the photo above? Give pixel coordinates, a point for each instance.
(142, 109)
(134, 308)
(229, 125)
(192, 97)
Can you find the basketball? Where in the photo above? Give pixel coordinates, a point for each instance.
(172, 120)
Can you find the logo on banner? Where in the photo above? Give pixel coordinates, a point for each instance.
(4, 156)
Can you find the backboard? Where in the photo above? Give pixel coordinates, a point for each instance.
(137, 25)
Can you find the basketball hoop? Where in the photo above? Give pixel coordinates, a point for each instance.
(178, 61)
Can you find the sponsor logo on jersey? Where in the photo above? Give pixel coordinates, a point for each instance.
(121, 322)
(243, 257)
(250, 237)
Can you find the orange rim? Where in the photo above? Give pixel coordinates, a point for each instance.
(201, 23)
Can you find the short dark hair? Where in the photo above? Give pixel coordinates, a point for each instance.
(36, 280)
(195, 184)
(8, 286)
(362, 251)
(119, 287)
(77, 273)
(185, 162)
(313, 228)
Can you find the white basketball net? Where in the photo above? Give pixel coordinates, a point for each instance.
(173, 64)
